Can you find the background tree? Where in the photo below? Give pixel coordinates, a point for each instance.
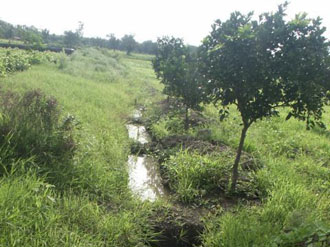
(113, 42)
(45, 35)
(178, 71)
(128, 43)
(148, 47)
(7, 30)
(259, 66)
(73, 39)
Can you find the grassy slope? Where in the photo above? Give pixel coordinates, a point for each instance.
(99, 88)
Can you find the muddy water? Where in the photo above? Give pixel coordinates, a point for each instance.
(144, 177)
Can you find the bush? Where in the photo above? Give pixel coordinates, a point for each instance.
(62, 61)
(30, 126)
(12, 60)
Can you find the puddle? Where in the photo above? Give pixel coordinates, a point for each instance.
(137, 114)
(144, 176)
(138, 133)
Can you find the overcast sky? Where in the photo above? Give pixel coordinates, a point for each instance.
(147, 19)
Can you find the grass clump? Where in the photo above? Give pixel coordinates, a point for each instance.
(99, 65)
(291, 216)
(166, 127)
(30, 126)
(194, 176)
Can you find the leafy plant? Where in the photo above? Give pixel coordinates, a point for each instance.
(177, 68)
(261, 66)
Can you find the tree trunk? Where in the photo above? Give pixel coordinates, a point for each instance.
(186, 122)
(238, 157)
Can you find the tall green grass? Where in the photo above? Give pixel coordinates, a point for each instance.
(88, 202)
(193, 176)
(294, 180)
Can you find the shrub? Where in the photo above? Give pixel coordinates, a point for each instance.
(30, 126)
(12, 60)
(62, 61)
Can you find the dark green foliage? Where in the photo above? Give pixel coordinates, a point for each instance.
(148, 47)
(262, 65)
(30, 126)
(178, 71)
(128, 43)
(23, 33)
(113, 42)
(71, 39)
(74, 39)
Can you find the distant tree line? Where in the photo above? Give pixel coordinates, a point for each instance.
(31, 35)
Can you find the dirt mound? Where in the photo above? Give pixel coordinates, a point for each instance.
(192, 143)
(177, 226)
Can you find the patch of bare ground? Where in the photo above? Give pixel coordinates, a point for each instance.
(177, 226)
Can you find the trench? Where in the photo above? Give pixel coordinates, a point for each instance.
(145, 182)
(144, 175)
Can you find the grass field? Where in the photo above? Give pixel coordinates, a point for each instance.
(294, 184)
(86, 202)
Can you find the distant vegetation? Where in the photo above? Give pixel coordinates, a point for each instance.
(22, 34)
(12, 60)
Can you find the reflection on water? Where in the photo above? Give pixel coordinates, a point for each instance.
(137, 114)
(137, 133)
(144, 177)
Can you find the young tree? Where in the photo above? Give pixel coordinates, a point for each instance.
(128, 43)
(259, 66)
(177, 69)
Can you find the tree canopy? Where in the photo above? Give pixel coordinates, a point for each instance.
(261, 65)
(128, 43)
(178, 71)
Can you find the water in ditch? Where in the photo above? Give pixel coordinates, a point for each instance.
(144, 176)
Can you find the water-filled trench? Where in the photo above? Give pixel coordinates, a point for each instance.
(144, 176)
